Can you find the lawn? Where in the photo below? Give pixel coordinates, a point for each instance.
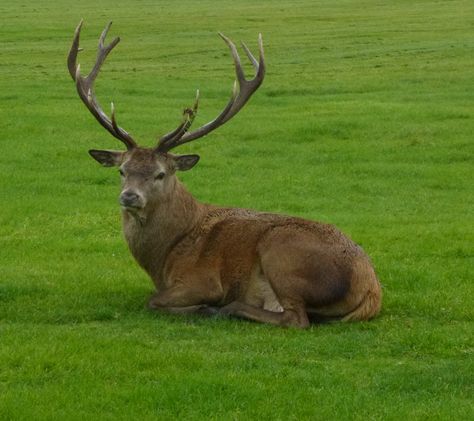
(365, 120)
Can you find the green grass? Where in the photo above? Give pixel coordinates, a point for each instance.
(365, 120)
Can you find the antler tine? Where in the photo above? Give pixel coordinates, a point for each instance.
(247, 87)
(165, 143)
(250, 55)
(238, 99)
(72, 56)
(85, 85)
(102, 53)
(239, 72)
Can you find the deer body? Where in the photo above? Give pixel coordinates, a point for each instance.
(206, 259)
(261, 266)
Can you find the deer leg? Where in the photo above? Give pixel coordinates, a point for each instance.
(288, 317)
(178, 300)
(202, 309)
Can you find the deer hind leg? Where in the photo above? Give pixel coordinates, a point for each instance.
(288, 317)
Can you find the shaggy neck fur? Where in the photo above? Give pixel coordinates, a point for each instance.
(162, 224)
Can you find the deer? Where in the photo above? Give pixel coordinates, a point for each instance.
(210, 260)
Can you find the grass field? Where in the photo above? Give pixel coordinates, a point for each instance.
(365, 120)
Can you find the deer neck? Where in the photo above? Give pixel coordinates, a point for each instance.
(151, 236)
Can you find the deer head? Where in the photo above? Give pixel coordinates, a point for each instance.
(148, 174)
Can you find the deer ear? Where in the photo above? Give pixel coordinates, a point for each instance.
(107, 158)
(185, 162)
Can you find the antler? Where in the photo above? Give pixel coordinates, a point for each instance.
(85, 85)
(239, 98)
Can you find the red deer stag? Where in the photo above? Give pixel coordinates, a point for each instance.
(205, 259)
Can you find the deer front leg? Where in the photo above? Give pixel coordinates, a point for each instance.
(182, 300)
(201, 309)
(296, 317)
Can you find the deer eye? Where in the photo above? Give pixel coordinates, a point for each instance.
(160, 176)
(121, 172)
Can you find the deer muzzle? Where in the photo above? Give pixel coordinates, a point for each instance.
(131, 200)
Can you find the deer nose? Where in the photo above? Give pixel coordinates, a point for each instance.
(129, 199)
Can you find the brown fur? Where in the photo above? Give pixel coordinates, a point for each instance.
(260, 266)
